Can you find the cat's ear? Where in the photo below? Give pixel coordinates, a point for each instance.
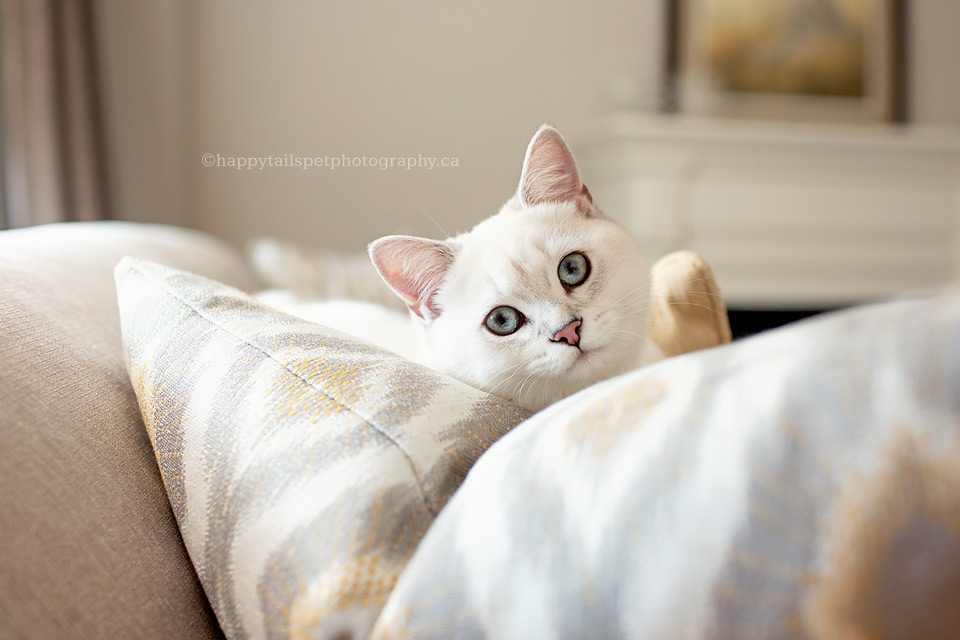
(414, 268)
(550, 172)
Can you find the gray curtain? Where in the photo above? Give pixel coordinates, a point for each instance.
(51, 144)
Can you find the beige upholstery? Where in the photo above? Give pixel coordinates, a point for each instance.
(90, 547)
(688, 312)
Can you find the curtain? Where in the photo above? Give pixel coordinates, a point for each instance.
(51, 143)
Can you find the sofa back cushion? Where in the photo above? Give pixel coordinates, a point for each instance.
(90, 546)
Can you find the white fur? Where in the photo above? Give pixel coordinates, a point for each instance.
(527, 367)
(512, 259)
(372, 322)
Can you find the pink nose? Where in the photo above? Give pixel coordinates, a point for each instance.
(570, 333)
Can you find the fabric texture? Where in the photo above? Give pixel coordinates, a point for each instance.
(800, 484)
(303, 466)
(90, 546)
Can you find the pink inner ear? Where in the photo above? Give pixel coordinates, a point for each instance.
(414, 268)
(549, 170)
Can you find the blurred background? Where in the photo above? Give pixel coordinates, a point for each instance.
(114, 108)
(383, 79)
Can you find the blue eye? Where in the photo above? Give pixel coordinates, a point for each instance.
(503, 321)
(573, 270)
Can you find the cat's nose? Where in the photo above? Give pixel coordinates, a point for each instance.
(570, 334)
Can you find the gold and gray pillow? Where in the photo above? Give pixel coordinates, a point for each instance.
(303, 466)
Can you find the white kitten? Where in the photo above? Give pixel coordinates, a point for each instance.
(535, 303)
(543, 299)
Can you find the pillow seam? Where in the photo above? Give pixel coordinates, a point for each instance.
(423, 494)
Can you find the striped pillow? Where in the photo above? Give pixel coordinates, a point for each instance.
(303, 466)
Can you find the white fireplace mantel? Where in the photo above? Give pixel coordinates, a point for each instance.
(788, 215)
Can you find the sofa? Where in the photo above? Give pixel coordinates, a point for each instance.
(90, 547)
(801, 483)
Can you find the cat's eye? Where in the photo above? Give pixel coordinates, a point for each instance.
(503, 321)
(573, 270)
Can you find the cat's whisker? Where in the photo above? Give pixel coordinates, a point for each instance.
(516, 371)
(618, 330)
(626, 332)
(629, 293)
(694, 304)
(622, 330)
(661, 287)
(642, 287)
(543, 388)
(533, 384)
(632, 339)
(690, 277)
(543, 395)
(634, 312)
(673, 302)
(519, 393)
(494, 388)
(512, 368)
(646, 305)
(432, 219)
(560, 224)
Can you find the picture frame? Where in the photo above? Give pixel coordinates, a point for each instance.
(820, 60)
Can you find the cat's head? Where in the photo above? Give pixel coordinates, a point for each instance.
(537, 302)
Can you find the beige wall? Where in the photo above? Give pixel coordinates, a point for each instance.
(250, 78)
(934, 59)
(147, 101)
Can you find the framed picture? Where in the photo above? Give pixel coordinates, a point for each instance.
(840, 60)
